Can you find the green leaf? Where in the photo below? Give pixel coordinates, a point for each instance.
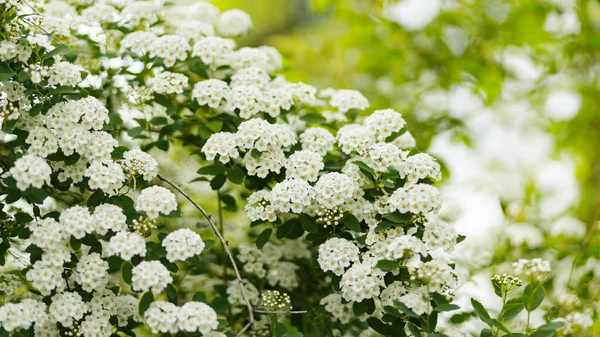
(383, 225)
(59, 50)
(145, 302)
(95, 199)
(228, 200)
(4, 245)
(199, 297)
(159, 121)
(293, 334)
(512, 308)
(404, 309)
(380, 327)
(136, 131)
(220, 304)
(487, 332)
(212, 169)
(365, 169)
(255, 153)
(387, 265)
(127, 271)
(446, 307)
(218, 181)
(308, 223)
(351, 222)
(263, 238)
(21, 217)
(460, 238)
(552, 326)
(286, 228)
(399, 218)
(171, 293)
(280, 329)
(365, 307)
(236, 175)
(533, 295)
(215, 125)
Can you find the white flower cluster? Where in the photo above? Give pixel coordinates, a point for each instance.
(125, 245)
(67, 307)
(345, 100)
(182, 244)
(22, 315)
(234, 293)
(337, 254)
(437, 275)
(170, 48)
(258, 206)
(210, 92)
(136, 162)
(291, 195)
(333, 304)
(537, 268)
(317, 140)
(334, 189)
(361, 281)
(91, 272)
(383, 123)
(168, 83)
(156, 200)
(417, 199)
(30, 171)
(420, 166)
(304, 165)
(165, 317)
(150, 275)
(64, 73)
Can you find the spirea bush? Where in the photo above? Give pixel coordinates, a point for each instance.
(342, 233)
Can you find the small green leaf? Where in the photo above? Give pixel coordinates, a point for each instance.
(199, 297)
(387, 265)
(263, 238)
(127, 272)
(218, 181)
(308, 223)
(487, 332)
(59, 50)
(212, 169)
(351, 222)
(236, 175)
(383, 225)
(145, 302)
(552, 326)
(215, 125)
(399, 218)
(404, 309)
(446, 307)
(512, 308)
(171, 293)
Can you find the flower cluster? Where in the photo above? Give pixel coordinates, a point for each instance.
(165, 317)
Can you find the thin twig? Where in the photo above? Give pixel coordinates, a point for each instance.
(246, 327)
(223, 242)
(267, 312)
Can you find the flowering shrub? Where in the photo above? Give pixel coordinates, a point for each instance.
(349, 242)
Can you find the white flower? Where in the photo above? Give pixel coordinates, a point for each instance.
(420, 166)
(234, 293)
(156, 200)
(142, 12)
(304, 165)
(91, 272)
(333, 189)
(417, 199)
(337, 254)
(334, 305)
(355, 138)
(317, 140)
(258, 207)
(161, 317)
(168, 83)
(291, 195)
(182, 244)
(47, 234)
(210, 92)
(233, 23)
(64, 73)
(381, 156)
(67, 307)
(150, 275)
(22, 315)
(345, 100)
(246, 99)
(252, 76)
(77, 221)
(360, 282)
(213, 50)
(125, 245)
(383, 123)
(30, 171)
(136, 162)
(137, 42)
(46, 277)
(106, 176)
(197, 316)
(415, 300)
(223, 144)
(536, 268)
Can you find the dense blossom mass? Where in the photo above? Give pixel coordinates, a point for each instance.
(345, 203)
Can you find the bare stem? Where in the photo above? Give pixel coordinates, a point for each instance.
(246, 327)
(225, 248)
